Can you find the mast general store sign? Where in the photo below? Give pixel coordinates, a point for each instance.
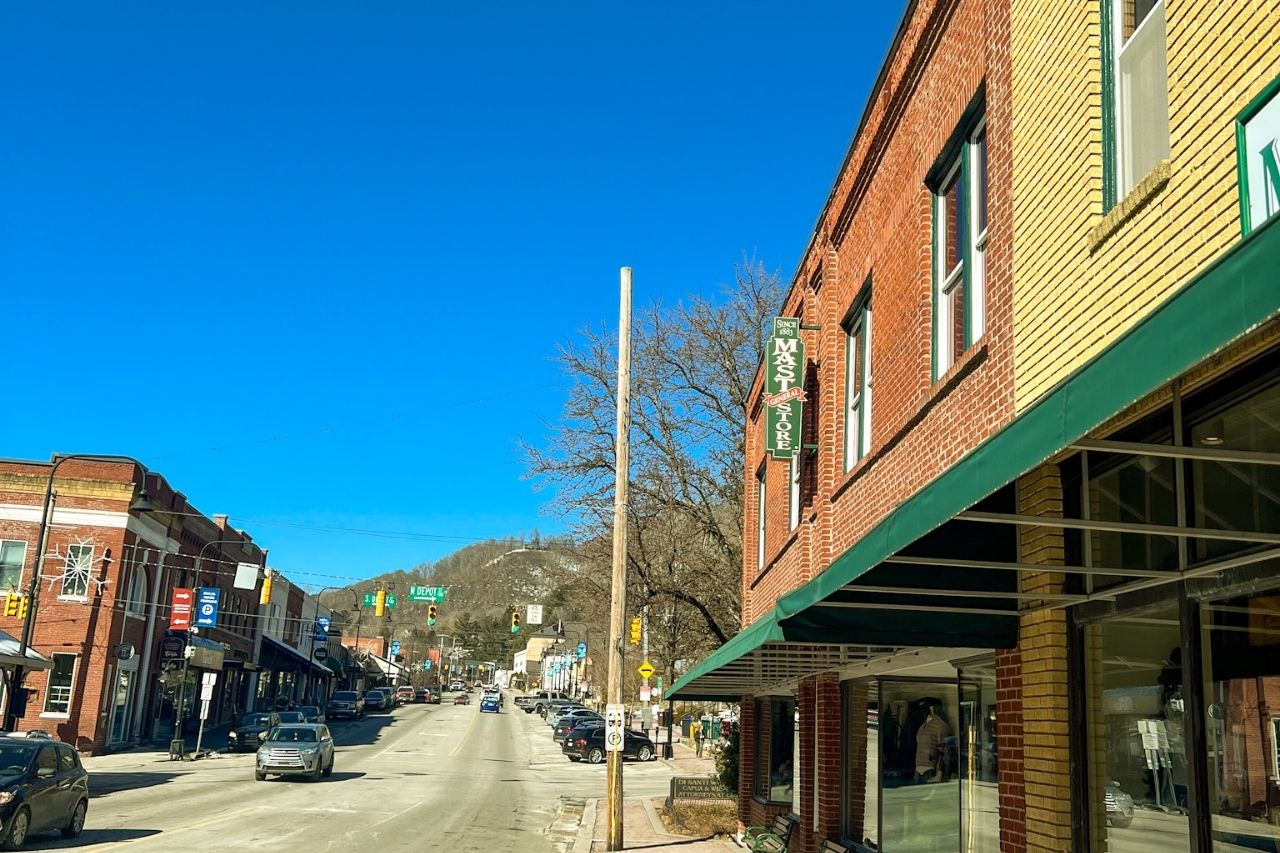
(1258, 153)
(784, 388)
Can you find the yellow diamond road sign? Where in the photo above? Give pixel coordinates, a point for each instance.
(646, 670)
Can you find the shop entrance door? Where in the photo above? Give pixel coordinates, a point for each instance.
(919, 766)
(121, 707)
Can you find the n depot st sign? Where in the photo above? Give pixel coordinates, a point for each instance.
(1258, 158)
(784, 388)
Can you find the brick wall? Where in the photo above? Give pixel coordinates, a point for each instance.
(1078, 291)
(876, 227)
(1013, 805)
(829, 735)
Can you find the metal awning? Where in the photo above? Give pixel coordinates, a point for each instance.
(921, 577)
(282, 657)
(10, 654)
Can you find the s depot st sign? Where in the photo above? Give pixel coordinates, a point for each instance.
(784, 388)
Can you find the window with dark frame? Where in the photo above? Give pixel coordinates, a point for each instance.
(858, 382)
(960, 245)
(57, 698)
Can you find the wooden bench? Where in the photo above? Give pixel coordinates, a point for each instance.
(777, 835)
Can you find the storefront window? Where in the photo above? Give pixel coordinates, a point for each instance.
(979, 793)
(1242, 698)
(1135, 729)
(919, 767)
(860, 784)
(775, 749)
(1231, 495)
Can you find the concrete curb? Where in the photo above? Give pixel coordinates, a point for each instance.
(582, 844)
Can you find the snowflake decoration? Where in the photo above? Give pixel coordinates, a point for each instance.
(77, 571)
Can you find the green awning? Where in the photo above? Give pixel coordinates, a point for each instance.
(1233, 296)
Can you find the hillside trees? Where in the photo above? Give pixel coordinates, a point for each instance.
(692, 367)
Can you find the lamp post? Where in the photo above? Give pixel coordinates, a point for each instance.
(140, 503)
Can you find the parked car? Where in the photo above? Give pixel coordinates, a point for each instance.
(346, 703)
(301, 749)
(376, 700)
(489, 702)
(533, 701)
(571, 724)
(1119, 806)
(462, 699)
(311, 713)
(46, 786)
(421, 696)
(290, 717)
(405, 694)
(252, 731)
(434, 697)
(556, 716)
(588, 746)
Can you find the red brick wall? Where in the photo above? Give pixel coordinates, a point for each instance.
(1013, 804)
(807, 702)
(830, 736)
(877, 226)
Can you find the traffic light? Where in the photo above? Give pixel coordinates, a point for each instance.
(431, 614)
(22, 607)
(11, 604)
(635, 631)
(380, 603)
(265, 597)
(515, 621)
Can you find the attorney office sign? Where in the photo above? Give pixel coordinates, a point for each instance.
(784, 388)
(1258, 158)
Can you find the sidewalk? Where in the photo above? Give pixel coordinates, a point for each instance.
(642, 829)
(685, 762)
(214, 740)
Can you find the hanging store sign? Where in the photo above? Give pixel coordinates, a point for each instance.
(784, 388)
(1258, 158)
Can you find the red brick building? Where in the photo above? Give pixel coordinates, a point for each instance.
(1012, 571)
(103, 609)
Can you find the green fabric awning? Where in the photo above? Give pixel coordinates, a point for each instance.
(1233, 296)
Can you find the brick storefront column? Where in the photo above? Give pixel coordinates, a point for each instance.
(746, 759)
(829, 736)
(806, 701)
(1013, 804)
(1043, 647)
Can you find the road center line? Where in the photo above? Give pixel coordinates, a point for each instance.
(463, 740)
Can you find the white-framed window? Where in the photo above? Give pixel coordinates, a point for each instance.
(793, 492)
(57, 697)
(13, 555)
(960, 247)
(136, 603)
(76, 571)
(761, 494)
(1140, 76)
(857, 383)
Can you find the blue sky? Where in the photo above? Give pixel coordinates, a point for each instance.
(311, 260)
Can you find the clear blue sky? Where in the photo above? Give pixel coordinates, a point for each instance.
(224, 223)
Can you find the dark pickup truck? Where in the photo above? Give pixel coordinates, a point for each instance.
(537, 700)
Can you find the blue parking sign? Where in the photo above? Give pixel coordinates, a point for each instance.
(322, 629)
(582, 651)
(207, 599)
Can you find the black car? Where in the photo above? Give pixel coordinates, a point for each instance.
(310, 714)
(252, 731)
(43, 787)
(345, 703)
(571, 724)
(589, 745)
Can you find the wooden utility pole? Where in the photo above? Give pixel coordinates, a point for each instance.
(618, 599)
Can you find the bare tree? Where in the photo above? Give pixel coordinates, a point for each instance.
(692, 368)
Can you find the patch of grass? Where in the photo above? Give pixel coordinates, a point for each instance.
(700, 820)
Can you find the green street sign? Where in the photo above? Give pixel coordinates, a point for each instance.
(784, 388)
(370, 599)
(427, 593)
(393, 600)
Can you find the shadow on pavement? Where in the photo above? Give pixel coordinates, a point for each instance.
(339, 776)
(363, 731)
(101, 784)
(48, 841)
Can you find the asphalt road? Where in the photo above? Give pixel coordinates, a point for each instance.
(426, 777)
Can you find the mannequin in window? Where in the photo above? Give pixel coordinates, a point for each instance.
(929, 742)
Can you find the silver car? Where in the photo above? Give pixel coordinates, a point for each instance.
(296, 749)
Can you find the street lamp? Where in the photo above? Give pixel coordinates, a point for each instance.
(141, 503)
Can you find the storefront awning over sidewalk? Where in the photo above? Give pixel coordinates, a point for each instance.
(904, 585)
(282, 657)
(11, 655)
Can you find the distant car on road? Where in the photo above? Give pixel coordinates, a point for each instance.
(456, 685)
(490, 703)
(421, 696)
(346, 703)
(405, 694)
(588, 746)
(302, 749)
(295, 716)
(311, 713)
(462, 699)
(252, 731)
(376, 700)
(46, 788)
